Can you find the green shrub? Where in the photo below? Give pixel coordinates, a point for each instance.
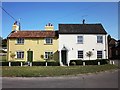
(38, 63)
(53, 64)
(91, 62)
(103, 61)
(4, 63)
(15, 63)
(75, 62)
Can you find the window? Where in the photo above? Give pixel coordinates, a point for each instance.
(20, 41)
(99, 39)
(48, 40)
(80, 39)
(99, 54)
(48, 54)
(20, 54)
(80, 54)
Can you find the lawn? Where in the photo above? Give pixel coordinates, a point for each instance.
(43, 71)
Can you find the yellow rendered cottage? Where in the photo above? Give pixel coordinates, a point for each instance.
(33, 45)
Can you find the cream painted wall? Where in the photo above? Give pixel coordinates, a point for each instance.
(89, 43)
(36, 45)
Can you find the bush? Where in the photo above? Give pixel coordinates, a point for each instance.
(76, 62)
(4, 63)
(38, 63)
(91, 62)
(103, 61)
(73, 63)
(53, 64)
(15, 63)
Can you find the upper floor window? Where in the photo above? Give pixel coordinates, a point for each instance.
(20, 40)
(48, 55)
(99, 54)
(20, 54)
(80, 54)
(99, 39)
(80, 39)
(48, 40)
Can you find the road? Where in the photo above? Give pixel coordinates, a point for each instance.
(107, 79)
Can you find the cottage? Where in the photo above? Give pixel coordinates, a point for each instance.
(75, 40)
(32, 45)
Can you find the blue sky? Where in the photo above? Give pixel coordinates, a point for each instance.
(34, 16)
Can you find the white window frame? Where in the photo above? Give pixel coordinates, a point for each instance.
(46, 54)
(80, 39)
(21, 54)
(50, 42)
(99, 39)
(100, 54)
(20, 40)
(80, 54)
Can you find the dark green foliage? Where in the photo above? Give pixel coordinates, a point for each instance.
(38, 63)
(43, 63)
(78, 62)
(90, 62)
(4, 63)
(15, 63)
(53, 63)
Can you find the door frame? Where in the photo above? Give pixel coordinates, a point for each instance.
(28, 53)
(62, 52)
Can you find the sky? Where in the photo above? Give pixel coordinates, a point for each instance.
(35, 15)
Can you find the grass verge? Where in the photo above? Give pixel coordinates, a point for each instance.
(43, 71)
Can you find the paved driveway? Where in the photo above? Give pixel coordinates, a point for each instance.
(100, 80)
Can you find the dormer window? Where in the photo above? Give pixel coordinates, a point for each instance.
(20, 40)
(48, 40)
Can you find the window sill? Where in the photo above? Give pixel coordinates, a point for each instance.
(79, 43)
(19, 58)
(48, 44)
(19, 44)
(99, 43)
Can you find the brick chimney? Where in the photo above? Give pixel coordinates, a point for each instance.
(49, 27)
(15, 27)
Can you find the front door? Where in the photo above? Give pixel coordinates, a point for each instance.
(64, 57)
(30, 56)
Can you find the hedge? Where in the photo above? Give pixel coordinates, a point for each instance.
(89, 62)
(77, 62)
(44, 63)
(38, 63)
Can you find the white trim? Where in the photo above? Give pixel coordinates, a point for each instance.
(47, 51)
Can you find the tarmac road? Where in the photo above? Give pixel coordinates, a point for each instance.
(107, 79)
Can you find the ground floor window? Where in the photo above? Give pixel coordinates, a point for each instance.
(99, 54)
(80, 54)
(20, 54)
(48, 55)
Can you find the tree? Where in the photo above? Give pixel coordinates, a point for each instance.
(89, 54)
(12, 55)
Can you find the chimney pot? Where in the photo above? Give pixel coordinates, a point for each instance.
(83, 21)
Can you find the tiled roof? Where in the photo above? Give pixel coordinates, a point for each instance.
(81, 29)
(33, 34)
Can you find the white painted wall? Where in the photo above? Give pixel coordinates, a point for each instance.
(89, 43)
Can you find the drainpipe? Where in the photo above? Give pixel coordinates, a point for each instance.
(106, 47)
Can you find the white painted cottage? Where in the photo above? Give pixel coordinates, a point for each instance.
(75, 40)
